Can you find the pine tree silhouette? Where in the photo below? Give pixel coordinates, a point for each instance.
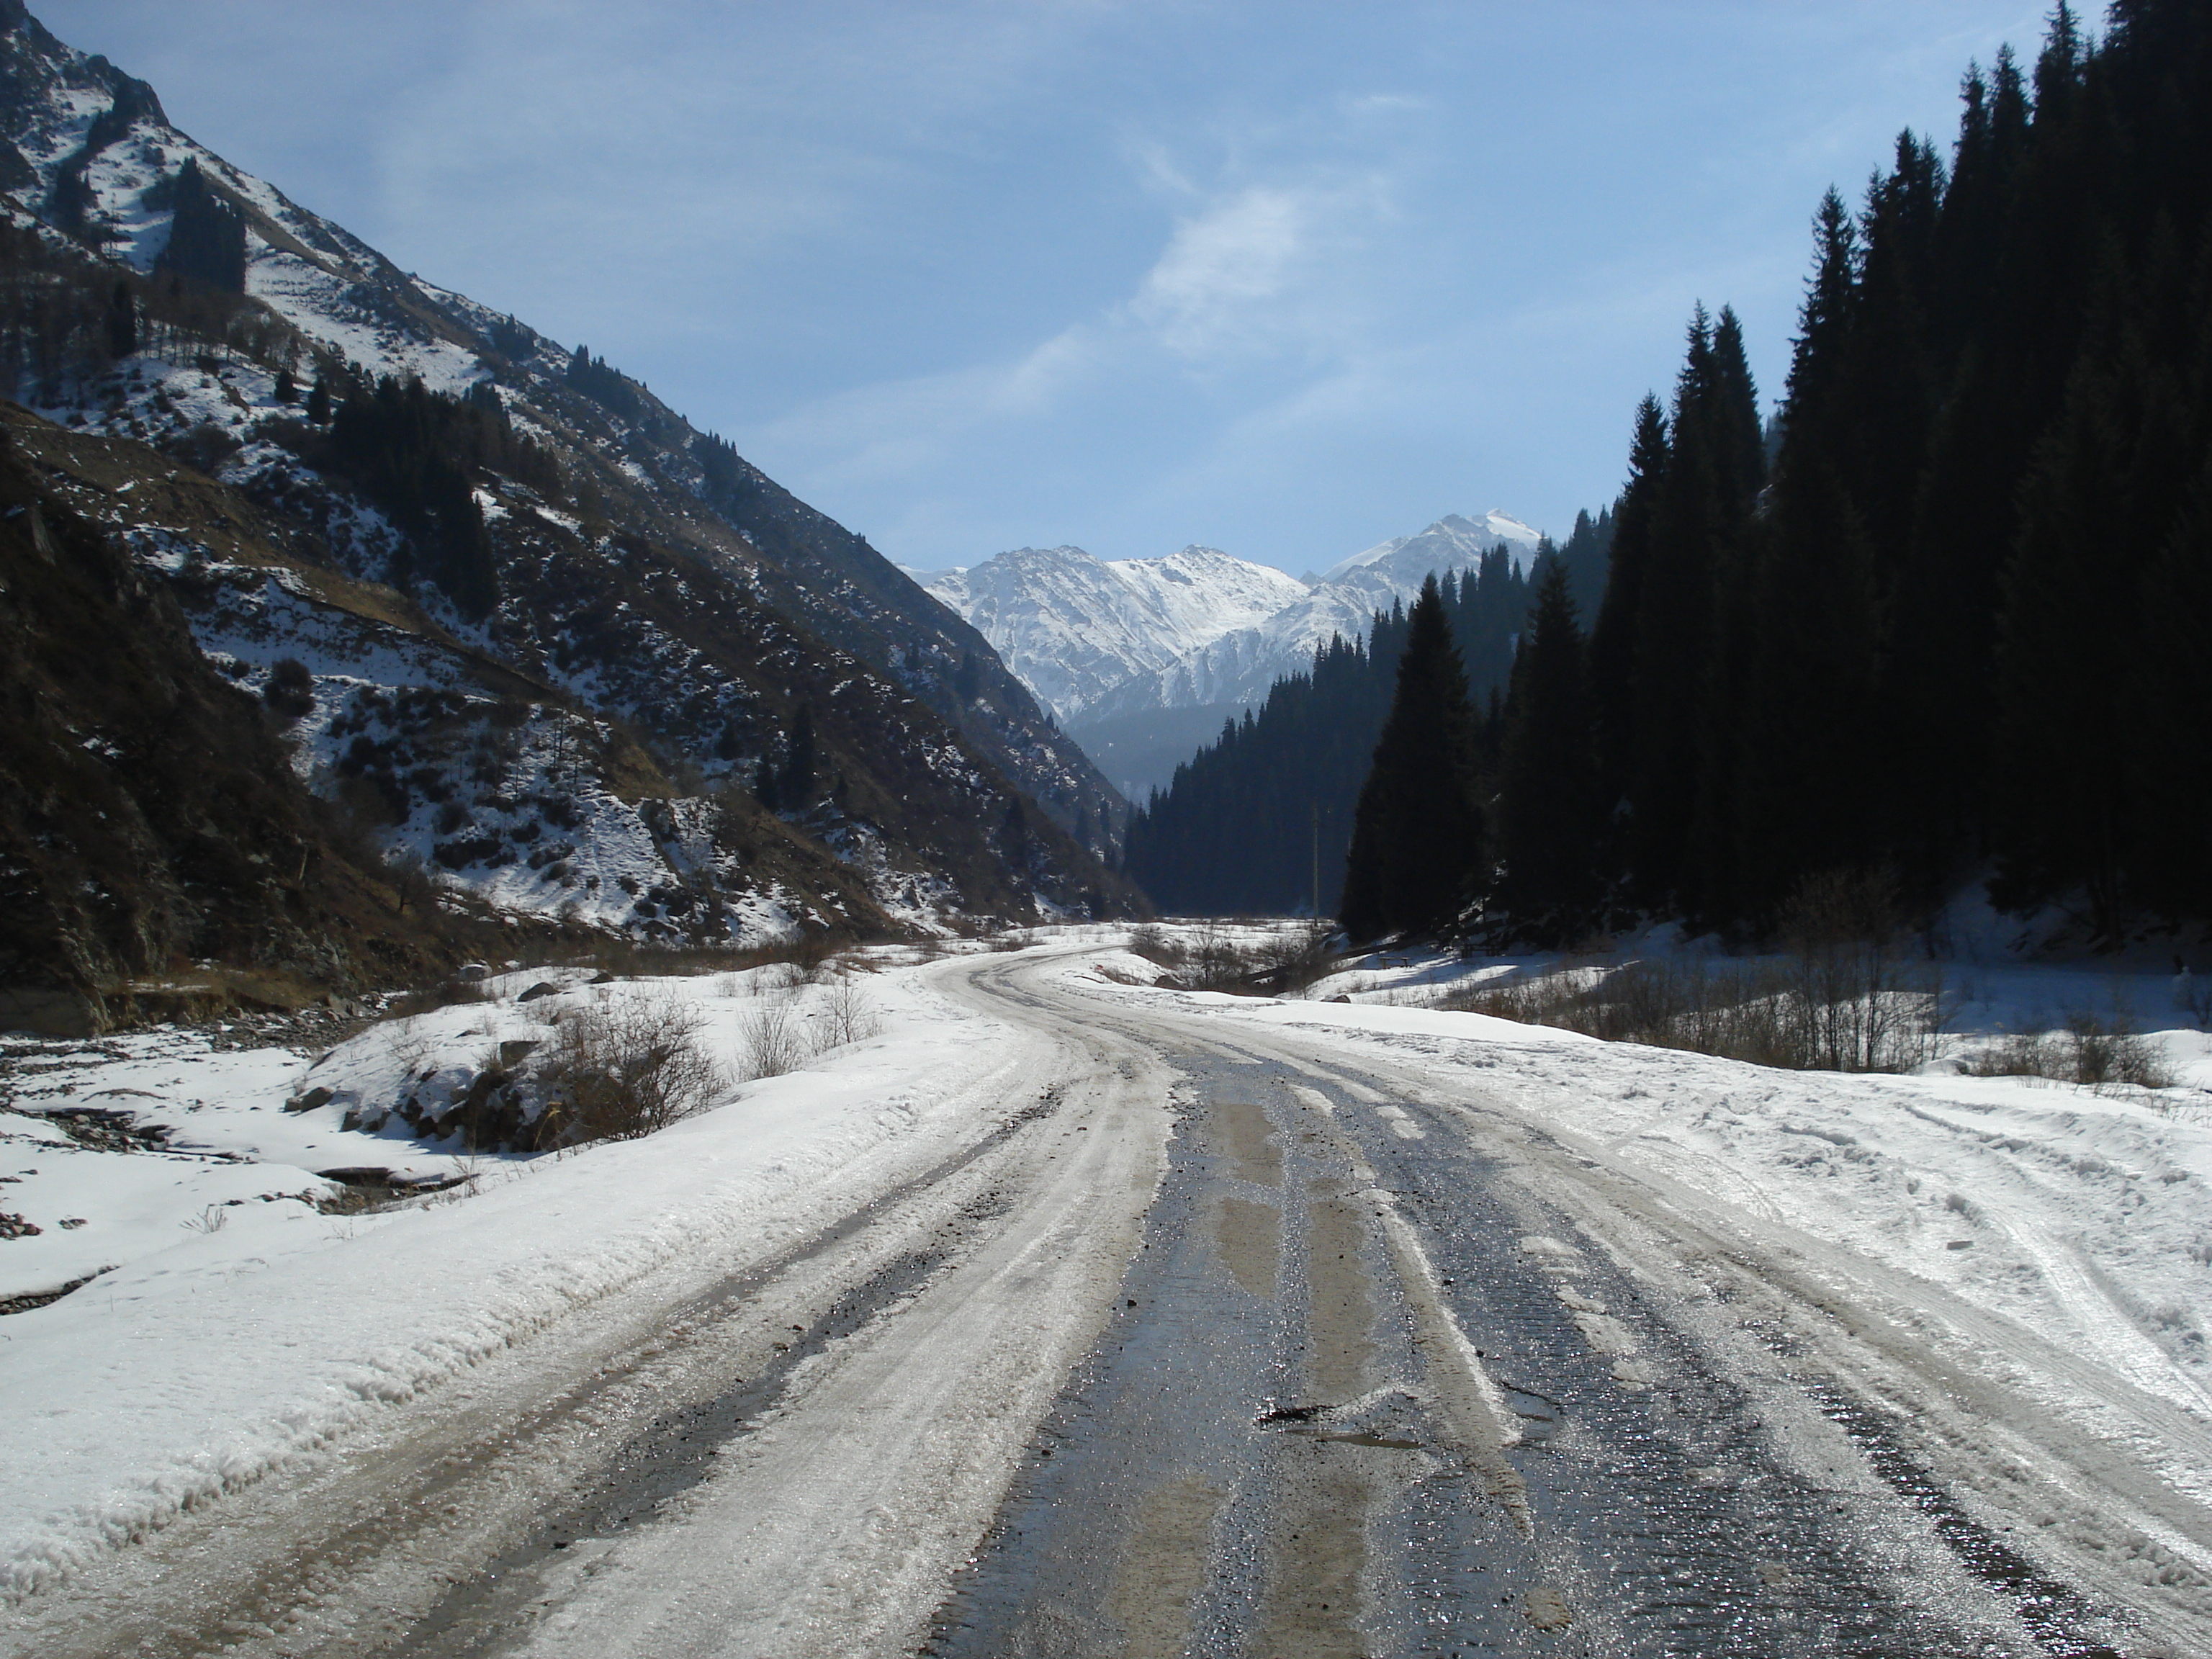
(1551, 812)
(1417, 855)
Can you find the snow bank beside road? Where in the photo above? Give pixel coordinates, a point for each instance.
(208, 1359)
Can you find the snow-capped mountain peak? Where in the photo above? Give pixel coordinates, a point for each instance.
(1099, 640)
(1073, 626)
(1451, 542)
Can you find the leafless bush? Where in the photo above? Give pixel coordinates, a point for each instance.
(1769, 1013)
(1210, 959)
(2092, 1053)
(621, 1069)
(812, 955)
(2114, 1052)
(849, 1016)
(1861, 1005)
(1150, 940)
(1294, 957)
(772, 1041)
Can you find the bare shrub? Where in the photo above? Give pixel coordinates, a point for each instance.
(1825, 1017)
(1210, 959)
(2092, 1053)
(1294, 957)
(811, 954)
(622, 1068)
(772, 1041)
(1862, 1005)
(2114, 1052)
(849, 1016)
(1150, 940)
(2023, 1053)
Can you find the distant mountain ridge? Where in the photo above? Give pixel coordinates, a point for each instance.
(1100, 640)
(1075, 628)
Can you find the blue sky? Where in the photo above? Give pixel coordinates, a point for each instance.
(1286, 279)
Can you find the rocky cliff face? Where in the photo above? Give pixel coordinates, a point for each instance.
(534, 633)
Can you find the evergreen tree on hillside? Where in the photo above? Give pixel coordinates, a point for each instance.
(1586, 553)
(207, 235)
(1946, 614)
(794, 784)
(1551, 811)
(1247, 820)
(1801, 765)
(2168, 700)
(1699, 522)
(1416, 859)
(1620, 617)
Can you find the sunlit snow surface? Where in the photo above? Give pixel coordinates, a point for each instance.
(213, 1350)
(210, 1352)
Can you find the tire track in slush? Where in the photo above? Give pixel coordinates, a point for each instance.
(1444, 1423)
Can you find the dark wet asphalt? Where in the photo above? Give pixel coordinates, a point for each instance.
(1249, 1464)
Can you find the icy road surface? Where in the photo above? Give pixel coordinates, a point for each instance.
(1183, 1324)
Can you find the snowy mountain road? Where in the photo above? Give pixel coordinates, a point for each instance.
(1199, 1335)
(1404, 1373)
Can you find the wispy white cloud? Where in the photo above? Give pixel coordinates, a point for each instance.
(1222, 267)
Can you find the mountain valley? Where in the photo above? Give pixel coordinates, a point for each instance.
(1141, 660)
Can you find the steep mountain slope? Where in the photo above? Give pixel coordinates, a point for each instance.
(149, 819)
(1074, 627)
(576, 636)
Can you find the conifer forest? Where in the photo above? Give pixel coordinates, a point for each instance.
(1943, 617)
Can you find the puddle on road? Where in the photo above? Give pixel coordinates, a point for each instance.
(1339, 1303)
(1248, 1140)
(1164, 1568)
(1250, 1239)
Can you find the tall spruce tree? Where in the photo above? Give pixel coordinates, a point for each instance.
(1417, 854)
(1619, 622)
(1800, 763)
(1551, 811)
(1699, 522)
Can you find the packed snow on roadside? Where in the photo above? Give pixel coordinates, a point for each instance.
(235, 1323)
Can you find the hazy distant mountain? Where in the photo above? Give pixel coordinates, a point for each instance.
(1141, 660)
(1237, 665)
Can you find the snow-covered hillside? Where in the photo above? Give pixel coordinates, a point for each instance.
(1074, 627)
(1098, 639)
(505, 519)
